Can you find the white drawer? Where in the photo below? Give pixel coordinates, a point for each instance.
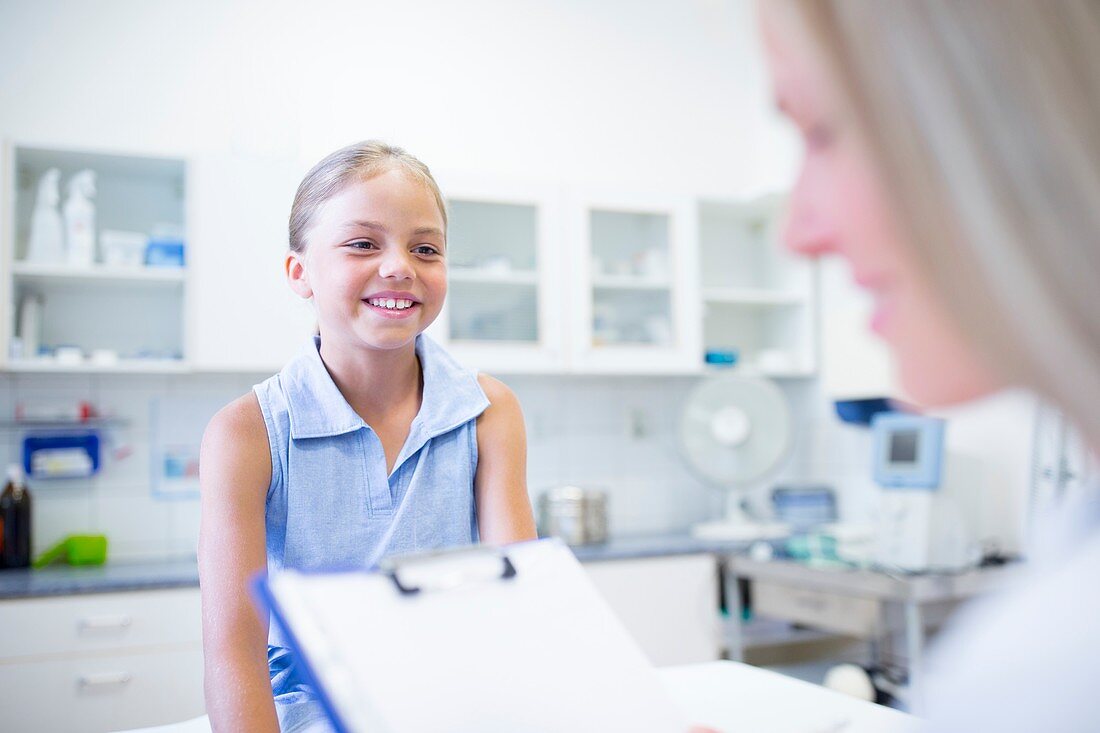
(101, 693)
(99, 622)
(840, 614)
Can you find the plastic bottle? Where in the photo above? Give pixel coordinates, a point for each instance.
(79, 214)
(47, 240)
(15, 514)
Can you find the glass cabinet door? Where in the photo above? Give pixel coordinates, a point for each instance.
(631, 282)
(635, 311)
(500, 313)
(493, 250)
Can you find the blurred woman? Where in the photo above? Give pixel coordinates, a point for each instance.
(952, 157)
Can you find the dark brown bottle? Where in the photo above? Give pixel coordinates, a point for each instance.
(15, 518)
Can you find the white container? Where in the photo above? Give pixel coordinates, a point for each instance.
(121, 248)
(30, 324)
(79, 214)
(69, 355)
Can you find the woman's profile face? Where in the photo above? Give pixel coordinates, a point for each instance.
(839, 205)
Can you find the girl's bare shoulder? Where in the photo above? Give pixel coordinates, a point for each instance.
(241, 419)
(498, 392)
(235, 443)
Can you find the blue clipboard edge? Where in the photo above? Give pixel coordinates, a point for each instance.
(265, 600)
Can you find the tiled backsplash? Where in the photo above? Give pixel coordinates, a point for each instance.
(615, 433)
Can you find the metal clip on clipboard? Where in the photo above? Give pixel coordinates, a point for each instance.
(447, 569)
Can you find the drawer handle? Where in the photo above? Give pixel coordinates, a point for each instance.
(104, 680)
(98, 623)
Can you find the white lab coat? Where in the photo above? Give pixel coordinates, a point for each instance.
(1026, 660)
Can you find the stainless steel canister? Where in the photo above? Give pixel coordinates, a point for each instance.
(578, 516)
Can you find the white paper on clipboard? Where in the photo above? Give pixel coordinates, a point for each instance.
(538, 652)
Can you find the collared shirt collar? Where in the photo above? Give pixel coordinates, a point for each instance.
(452, 396)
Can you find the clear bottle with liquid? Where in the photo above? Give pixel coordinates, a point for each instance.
(15, 521)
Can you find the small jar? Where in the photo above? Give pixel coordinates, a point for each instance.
(576, 515)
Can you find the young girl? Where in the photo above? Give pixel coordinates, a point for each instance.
(372, 441)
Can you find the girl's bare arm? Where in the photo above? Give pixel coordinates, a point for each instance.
(500, 484)
(235, 472)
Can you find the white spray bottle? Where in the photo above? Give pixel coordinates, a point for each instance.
(80, 219)
(47, 240)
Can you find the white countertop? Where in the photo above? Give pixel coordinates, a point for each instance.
(734, 698)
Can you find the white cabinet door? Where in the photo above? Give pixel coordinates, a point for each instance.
(668, 604)
(243, 315)
(504, 308)
(633, 284)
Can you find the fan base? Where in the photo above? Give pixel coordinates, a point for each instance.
(740, 531)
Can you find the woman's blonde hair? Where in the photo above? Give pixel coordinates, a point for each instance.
(985, 117)
(362, 161)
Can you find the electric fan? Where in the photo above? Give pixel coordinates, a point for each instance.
(733, 432)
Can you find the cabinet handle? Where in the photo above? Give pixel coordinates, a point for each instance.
(104, 680)
(96, 623)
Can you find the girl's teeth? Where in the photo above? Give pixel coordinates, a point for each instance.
(391, 303)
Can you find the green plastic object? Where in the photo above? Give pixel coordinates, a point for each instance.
(76, 549)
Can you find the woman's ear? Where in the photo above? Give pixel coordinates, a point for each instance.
(296, 275)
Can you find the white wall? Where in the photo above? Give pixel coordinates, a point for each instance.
(666, 93)
(993, 437)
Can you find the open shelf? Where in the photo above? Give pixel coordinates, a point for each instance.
(123, 366)
(630, 282)
(761, 297)
(98, 273)
(493, 277)
(759, 301)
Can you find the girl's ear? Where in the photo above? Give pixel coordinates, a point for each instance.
(296, 275)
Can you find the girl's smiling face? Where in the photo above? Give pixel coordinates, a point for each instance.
(840, 205)
(374, 262)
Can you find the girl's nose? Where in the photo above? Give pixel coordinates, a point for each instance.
(396, 264)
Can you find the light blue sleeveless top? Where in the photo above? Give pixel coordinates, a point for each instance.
(330, 503)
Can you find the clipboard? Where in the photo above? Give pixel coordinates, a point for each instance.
(494, 640)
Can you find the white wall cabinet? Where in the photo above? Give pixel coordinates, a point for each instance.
(543, 279)
(668, 604)
(546, 280)
(100, 662)
(109, 315)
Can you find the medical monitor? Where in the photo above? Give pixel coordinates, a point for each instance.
(908, 450)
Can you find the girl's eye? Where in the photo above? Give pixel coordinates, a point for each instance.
(362, 244)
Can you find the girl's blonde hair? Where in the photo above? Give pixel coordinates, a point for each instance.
(362, 161)
(985, 116)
